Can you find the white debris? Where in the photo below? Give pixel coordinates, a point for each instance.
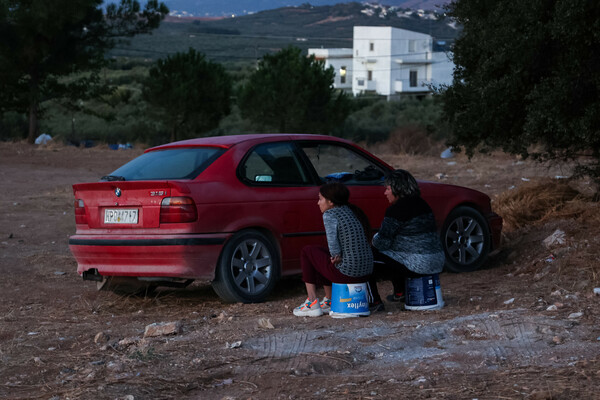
(265, 323)
(447, 153)
(557, 238)
(597, 291)
(233, 345)
(552, 308)
(128, 341)
(43, 139)
(510, 301)
(575, 315)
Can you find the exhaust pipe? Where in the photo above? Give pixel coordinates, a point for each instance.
(92, 275)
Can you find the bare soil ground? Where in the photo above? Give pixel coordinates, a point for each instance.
(524, 327)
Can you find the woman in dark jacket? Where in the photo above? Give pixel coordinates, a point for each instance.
(407, 244)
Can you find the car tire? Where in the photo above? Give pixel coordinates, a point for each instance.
(466, 240)
(248, 268)
(124, 285)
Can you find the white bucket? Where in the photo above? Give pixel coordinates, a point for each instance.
(349, 300)
(423, 293)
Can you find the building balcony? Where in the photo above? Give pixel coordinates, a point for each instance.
(422, 59)
(403, 86)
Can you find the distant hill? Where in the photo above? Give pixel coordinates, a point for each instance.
(249, 37)
(207, 8)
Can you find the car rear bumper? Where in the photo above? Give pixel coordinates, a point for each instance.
(495, 224)
(177, 256)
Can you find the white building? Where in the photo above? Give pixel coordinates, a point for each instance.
(341, 61)
(388, 61)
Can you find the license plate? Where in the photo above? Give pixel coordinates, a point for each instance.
(120, 216)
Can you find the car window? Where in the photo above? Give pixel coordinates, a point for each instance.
(274, 163)
(180, 163)
(334, 162)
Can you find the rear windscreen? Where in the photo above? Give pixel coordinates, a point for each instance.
(181, 163)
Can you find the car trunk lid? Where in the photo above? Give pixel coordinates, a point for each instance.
(122, 204)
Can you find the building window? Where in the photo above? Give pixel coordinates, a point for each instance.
(413, 78)
(369, 75)
(343, 75)
(371, 46)
(412, 46)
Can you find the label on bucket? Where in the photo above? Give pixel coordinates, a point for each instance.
(349, 298)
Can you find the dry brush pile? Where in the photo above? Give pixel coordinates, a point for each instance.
(557, 225)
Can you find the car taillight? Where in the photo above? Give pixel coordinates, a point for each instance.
(177, 209)
(80, 217)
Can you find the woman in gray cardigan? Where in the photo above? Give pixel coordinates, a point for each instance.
(407, 244)
(348, 258)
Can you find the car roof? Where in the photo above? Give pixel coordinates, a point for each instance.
(230, 140)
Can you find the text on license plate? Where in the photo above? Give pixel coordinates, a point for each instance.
(121, 216)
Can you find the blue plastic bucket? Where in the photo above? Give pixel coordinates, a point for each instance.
(349, 300)
(423, 293)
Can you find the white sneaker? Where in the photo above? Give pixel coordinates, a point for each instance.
(309, 309)
(326, 304)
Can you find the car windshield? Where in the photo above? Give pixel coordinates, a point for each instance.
(179, 163)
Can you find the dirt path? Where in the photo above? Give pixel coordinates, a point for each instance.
(526, 326)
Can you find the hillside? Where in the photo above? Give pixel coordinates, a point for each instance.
(208, 8)
(249, 37)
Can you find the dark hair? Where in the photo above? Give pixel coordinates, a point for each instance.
(402, 183)
(335, 192)
(339, 195)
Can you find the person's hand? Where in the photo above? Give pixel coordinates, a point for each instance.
(335, 260)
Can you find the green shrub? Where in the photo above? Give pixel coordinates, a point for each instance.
(374, 120)
(13, 126)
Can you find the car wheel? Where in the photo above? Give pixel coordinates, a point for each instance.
(126, 285)
(466, 240)
(248, 268)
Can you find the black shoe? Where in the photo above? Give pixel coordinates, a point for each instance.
(375, 307)
(395, 297)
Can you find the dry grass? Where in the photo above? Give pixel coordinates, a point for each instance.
(538, 202)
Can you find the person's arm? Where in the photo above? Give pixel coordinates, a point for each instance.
(331, 230)
(384, 239)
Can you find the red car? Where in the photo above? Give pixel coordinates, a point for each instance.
(237, 210)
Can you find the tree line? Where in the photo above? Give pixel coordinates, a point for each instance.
(56, 50)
